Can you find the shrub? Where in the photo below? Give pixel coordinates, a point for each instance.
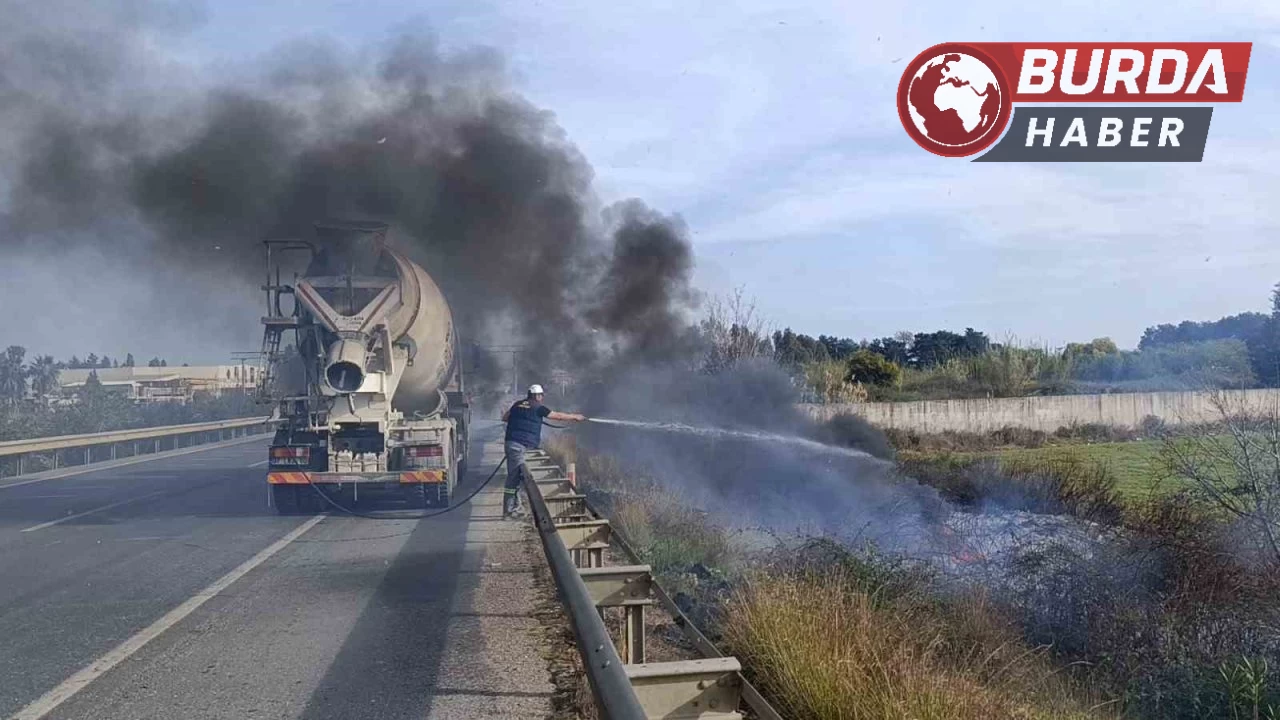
(1096, 432)
(1079, 488)
(956, 441)
(1152, 426)
(1192, 365)
(868, 368)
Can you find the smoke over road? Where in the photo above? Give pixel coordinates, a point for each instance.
(117, 147)
(178, 172)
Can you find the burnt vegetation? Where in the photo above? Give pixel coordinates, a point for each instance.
(950, 584)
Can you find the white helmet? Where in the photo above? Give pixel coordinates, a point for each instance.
(535, 389)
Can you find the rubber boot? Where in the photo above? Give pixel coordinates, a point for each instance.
(511, 505)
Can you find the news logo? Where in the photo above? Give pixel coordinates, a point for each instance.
(959, 99)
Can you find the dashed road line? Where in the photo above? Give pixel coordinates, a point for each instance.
(77, 682)
(117, 504)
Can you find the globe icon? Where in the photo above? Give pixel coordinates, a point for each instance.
(955, 100)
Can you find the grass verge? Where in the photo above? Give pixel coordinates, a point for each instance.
(824, 646)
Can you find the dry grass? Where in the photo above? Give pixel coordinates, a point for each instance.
(824, 648)
(827, 382)
(666, 530)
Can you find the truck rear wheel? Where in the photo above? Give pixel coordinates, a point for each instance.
(417, 496)
(310, 500)
(285, 498)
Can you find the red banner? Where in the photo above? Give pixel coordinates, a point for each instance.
(1118, 72)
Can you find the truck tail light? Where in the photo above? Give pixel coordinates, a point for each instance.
(290, 455)
(425, 456)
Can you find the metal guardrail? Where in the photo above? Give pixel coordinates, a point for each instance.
(606, 674)
(18, 451)
(622, 683)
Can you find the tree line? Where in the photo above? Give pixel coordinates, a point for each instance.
(28, 386)
(92, 361)
(37, 378)
(1237, 351)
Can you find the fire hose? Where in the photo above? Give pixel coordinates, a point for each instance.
(416, 516)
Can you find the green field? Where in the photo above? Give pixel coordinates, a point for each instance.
(1135, 464)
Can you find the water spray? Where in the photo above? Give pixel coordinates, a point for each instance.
(754, 435)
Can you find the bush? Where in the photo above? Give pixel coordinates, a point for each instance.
(1096, 433)
(1008, 371)
(1191, 365)
(868, 368)
(955, 441)
(1151, 426)
(1067, 486)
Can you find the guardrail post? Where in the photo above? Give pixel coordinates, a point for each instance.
(585, 540)
(21, 457)
(628, 587)
(703, 689)
(55, 459)
(633, 635)
(568, 507)
(113, 451)
(88, 454)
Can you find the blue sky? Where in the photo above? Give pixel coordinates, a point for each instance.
(771, 128)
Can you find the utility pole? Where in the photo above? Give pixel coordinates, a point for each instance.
(515, 351)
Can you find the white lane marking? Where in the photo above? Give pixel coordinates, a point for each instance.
(260, 463)
(112, 464)
(74, 684)
(61, 520)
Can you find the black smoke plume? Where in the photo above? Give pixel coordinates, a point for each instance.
(122, 149)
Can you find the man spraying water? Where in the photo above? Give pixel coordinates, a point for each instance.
(524, 433)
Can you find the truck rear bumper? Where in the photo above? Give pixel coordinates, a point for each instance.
(429, 477)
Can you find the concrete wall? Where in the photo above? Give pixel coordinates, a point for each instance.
(1044, 413)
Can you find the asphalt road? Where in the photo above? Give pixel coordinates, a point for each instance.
(168, 589)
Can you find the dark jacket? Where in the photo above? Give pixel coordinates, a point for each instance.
(524, 423)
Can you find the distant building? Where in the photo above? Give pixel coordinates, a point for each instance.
(165, 384)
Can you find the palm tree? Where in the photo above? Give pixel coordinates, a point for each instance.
(43, 372)
(13, 376)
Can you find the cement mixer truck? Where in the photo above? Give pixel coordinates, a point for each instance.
(361, 364)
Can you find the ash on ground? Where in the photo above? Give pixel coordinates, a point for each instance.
(1013, 547)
